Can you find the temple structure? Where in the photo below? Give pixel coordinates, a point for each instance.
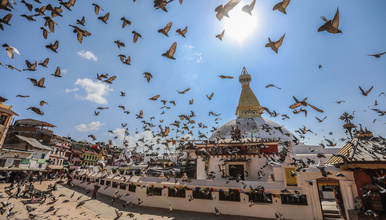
(248, 167)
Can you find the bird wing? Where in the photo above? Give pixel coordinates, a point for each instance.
(296, 100)
(57, 72)
(106, 17)
(79, 36)
(220, 36)
(368, 91)
(186, 90)
(128, 60)
(10, 52)
(252, 5)
(324, 19)
(33, 81)
(317, 109)
(285, 3)
(155, 97)
(335, 21)
(211, 95)
(111, 79)
(172, 49)
(230, 5)
(45, 62)
(363, 92)
(325, 26)
(167, 27)
(185, 30)
(277, 6)
(96, 9)
(56, 45)
(135, 38)
(279, 42)
(295, 105)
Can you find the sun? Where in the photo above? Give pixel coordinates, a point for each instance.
(239, 25)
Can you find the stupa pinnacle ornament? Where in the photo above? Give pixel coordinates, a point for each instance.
(248, 104)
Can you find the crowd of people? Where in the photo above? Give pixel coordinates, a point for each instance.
(27, 179)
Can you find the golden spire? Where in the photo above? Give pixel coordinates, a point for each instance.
(248, 104)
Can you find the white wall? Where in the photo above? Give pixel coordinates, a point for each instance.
(252, 166)
(225, 207)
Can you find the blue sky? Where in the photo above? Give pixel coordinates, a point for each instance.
(200, 58)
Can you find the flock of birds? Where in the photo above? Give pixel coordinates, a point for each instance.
(185, 125)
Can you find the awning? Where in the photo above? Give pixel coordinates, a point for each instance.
(375, 166)
(8, 111)
(327, 181)
(35, 143)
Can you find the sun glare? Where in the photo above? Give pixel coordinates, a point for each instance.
(239, 25)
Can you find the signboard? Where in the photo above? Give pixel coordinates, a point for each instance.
(41, 161)
(24, 161)
(290, 180)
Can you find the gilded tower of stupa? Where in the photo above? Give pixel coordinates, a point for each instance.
(248, 104)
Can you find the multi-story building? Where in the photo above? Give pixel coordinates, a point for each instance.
(24, 153)
(89, 158)
(58, 156)
(39, 130)
(6, 115)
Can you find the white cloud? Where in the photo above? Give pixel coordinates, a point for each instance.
(94, 125)
(88, 55)
(64, 71)
(188, 46)
(71, 90)
(95, 90)
(199, 59)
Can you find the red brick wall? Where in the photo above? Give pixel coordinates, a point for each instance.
(270, 149)
(362, 179)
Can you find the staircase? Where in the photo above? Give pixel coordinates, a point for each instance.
(331, 215)
(330, 211)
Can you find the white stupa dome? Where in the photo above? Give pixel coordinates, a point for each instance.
(259, 127)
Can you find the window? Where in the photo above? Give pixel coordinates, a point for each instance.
(122, 186)
(115, 185)
(177, 193)
(236, 170)
(132, 187)
(108, 183)
(202, 194)
(292, 200)
(43, 155)
(102, 182)
(229, 196)
(2, 162)
(57, 150)
(3, 119)
(261, 197)
(40, 166)
(53, 161)
(16, 162)
(155, 191)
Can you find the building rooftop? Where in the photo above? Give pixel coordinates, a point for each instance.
(35, 143)
(361, 151)
(8, 111)
(30, 121)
